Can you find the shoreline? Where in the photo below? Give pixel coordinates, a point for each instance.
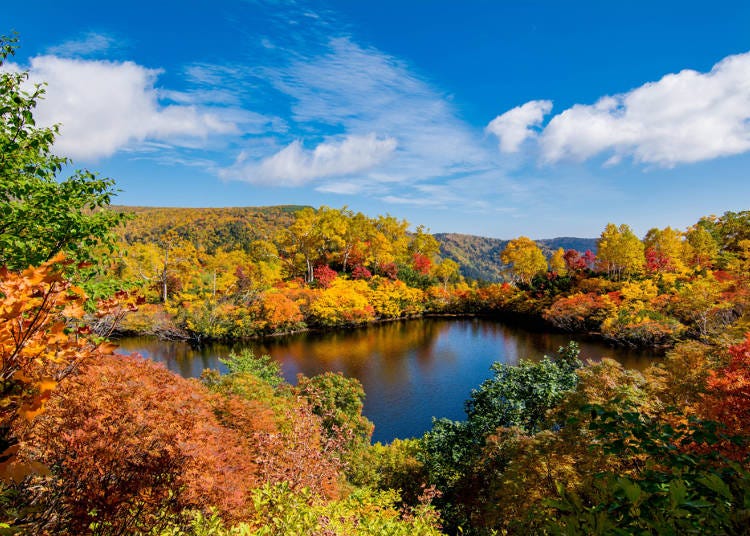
(527, 321)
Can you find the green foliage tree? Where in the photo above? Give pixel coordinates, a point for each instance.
(516, 396)
(41, 216)
(678, 483)
(338, 401)
(263, 367)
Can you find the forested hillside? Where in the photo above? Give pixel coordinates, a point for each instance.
(478, 256)
(227, 228)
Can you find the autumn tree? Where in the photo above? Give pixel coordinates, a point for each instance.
(727, 397)
(620, 251)
(446, 271)
(163, 265)
(525, 257)
(301, 244)
(41, 215)
(574, 261)
(700, 302)
(664, 249)
(129, 443)
(703, 248)
(36, 349)
(354, 238)
(557, 262)
(389, 243)
(421, 242)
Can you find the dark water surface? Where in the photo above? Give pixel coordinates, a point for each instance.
(411, 370)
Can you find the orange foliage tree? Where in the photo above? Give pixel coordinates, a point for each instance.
(130, 443)
(39, 346)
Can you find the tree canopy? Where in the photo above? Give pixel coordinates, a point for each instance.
(40, 215)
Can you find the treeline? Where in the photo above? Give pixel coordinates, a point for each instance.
(333, 267)
(670, 286)
(477, 256)
(208, 229)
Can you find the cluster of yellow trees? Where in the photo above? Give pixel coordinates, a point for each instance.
(322, 267)
(646, 292)
(621, 254)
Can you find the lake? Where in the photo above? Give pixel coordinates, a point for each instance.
(411, 370)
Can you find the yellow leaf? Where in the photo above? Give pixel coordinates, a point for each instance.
(74, 310)
(46, 385)
(107, 347)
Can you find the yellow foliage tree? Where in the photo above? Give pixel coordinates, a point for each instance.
(526, 258)
(620, 251)
(344, 302)
(557, 262)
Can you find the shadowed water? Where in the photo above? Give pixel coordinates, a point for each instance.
(411, 370)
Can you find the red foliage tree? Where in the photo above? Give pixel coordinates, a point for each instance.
(289, 446)
(389, 270)
(578, 312)
(421, 263)
(574, 261)
(589, 259)
(727, 398)
(360, 272)
(324, 275)
(657, 262)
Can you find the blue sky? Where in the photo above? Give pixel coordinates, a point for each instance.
(542, 118)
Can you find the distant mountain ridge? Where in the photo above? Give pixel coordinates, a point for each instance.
(479, 256)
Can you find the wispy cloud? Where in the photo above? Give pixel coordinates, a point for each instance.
(89, 44)
(341, 90)
(356, 90)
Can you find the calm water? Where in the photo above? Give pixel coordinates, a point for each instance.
(411, 370)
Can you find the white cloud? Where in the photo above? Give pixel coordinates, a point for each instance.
(293, 165)
(108, 106)
(684, 117)
(514, 126)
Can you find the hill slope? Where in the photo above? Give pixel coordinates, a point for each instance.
(479, 256)
(210, 228)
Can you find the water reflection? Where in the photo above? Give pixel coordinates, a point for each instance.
(411, 371)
